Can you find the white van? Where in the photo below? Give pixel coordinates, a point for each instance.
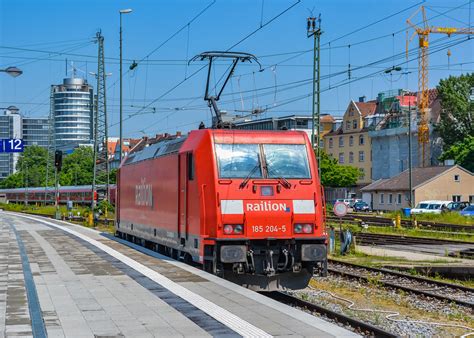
(430, 207)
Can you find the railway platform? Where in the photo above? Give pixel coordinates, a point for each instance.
(58, 279)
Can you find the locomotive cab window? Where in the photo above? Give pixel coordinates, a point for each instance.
(238, 160)
(244, 160)
(286, 160)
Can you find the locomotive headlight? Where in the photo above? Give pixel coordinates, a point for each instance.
(228, 229)
(307, 228)
(298, 228)
(233, 229)
(238, 229)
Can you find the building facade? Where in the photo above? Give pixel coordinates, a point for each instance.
(390, 140)
(447, 183)
(35, 131)
(73, 114)
(10, 127)
(350, 143)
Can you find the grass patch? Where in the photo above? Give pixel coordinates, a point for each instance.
(447, 217)
(411, 232)
(50, 210)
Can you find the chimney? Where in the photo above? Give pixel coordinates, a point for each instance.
(362, 98)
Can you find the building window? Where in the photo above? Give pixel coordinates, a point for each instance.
(390, 199)
(381, 198)
(351, 141)
(361, 156)
(457, 178)
(399, 198)
(341, 141)
(348, 125)
(471, 199)
(361, 140)
(341, 158)
(354, 124)
(361, 173)
(351, 157)
(456, 198)
(351, 112)
(330, 142)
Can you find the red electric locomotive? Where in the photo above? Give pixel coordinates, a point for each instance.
(247, 205)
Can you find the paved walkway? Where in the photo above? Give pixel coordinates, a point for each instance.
(88, 285)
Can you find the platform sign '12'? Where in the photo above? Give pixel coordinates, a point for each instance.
(12, 145)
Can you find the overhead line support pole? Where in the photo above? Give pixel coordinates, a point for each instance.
(314, 30)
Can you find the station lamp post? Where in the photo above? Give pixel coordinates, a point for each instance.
(122, 11)
(12, 71)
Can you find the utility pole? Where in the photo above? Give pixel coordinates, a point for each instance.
(313, 29)
(51, 143)
(58, 161)
(101, 156)
(410, 182)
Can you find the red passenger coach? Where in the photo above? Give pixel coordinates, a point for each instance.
(247, 205)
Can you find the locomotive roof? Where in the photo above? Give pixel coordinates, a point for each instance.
(160, 148)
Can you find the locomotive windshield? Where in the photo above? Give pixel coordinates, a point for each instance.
(280, 160)
(286, 160)
(238, 160)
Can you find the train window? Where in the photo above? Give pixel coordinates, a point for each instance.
(238, 160)
(287, 160)
(190, 166)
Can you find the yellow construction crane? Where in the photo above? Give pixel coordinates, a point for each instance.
(423, 91)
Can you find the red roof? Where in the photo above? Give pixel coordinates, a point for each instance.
(366, 108)
(327, 118)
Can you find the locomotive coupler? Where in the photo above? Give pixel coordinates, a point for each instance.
(269, 269)
(251, 265)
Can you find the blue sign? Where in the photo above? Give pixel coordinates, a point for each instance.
(15, 145)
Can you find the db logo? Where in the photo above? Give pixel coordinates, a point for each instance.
(267, 206)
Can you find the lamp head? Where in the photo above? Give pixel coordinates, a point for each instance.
(125, 11)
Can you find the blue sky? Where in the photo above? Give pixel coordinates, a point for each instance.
(44, 28)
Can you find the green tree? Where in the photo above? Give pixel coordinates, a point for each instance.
(335, 175)
(462, 153)
(31, 169)
(456, 120)
(77, 168)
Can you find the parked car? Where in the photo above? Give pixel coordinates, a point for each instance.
(457, 206)
(361, 206)
(347, 201)
(467, 211)
(430, 207)
(354, 201)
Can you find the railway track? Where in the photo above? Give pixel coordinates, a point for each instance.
(365, 238)
(360, 327)
(448, 292)
(384, 221)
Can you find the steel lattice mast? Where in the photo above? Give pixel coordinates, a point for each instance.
(101, 160)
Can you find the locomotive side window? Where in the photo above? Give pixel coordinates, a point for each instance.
(238, 160)
(190, 166)
(286, 160)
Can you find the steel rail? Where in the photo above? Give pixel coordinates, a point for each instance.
(360, 326)
(394, 285)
